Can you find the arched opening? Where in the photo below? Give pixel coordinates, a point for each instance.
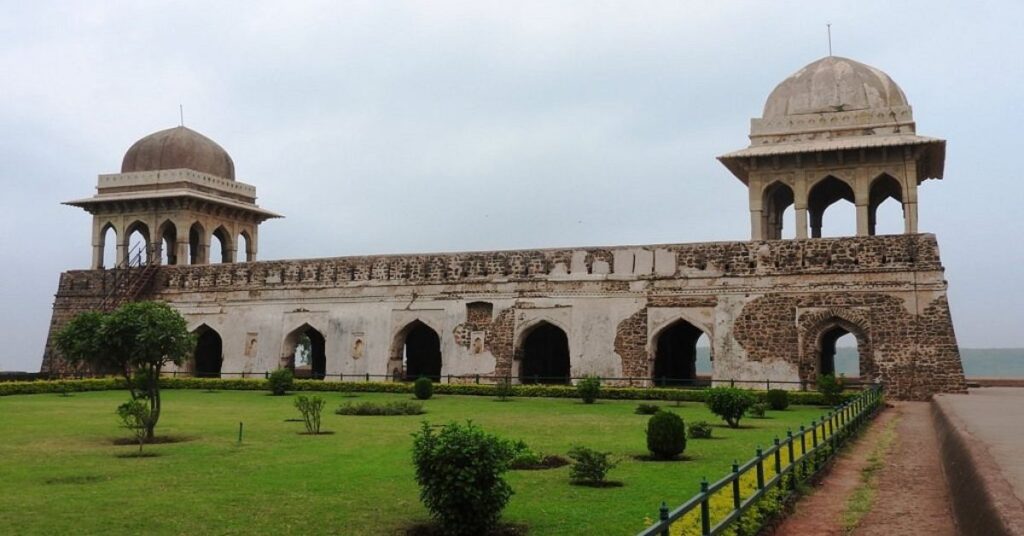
(220, 247)
(545, 355)
(307, 353)
(675, 354)
(196, 244)
(137, 243)
(890, 219)
(209, 353)
(168, 243)
(843, 218)
(838, 353)
(243, 247)
(421, 352)
(108, 245)
(778, 197)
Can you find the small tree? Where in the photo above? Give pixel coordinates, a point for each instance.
(729, 403)
(778, 399)
(280, 381)
(137, 340)
(459, 470)
(311, 408)
(503, 388)
(589, 388)
(134, 416)
(666, 435)
(831, 389)
(423, 388)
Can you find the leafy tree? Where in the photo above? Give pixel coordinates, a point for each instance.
(589, 389)
(280, 381)
(137, 340)
(729, 403)
(134, 415)
(831, 389)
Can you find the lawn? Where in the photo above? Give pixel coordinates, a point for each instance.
(60, 473)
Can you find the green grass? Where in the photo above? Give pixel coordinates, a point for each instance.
(860, 501)
(59, 470)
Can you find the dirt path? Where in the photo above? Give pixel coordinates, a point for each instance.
(908, 493)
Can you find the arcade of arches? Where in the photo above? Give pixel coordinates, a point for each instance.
(167, 245)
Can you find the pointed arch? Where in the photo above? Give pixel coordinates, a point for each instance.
(417, 347)
(224, 252)
(884, 188)
(108, 246)
(777, 197)
(136, 242)
(543, 352)
(168, 233)
(823, 195)
(305, 352)
(208, 357)
(674, 360)
(243, 247)
(197, 245)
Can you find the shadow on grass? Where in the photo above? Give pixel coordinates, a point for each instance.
(76, 480)
(322, 432)
(599, 484)
(158, 440)
(649, 458)
(548, 462)
(138, 455)
(433, 529)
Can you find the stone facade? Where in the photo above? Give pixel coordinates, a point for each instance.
(762, 305)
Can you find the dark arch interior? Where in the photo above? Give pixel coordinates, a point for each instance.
(209, 355)
(422, 353)
(312, 345)
(545, 356)
(777, 198)
(222, 251)
(675, 358)
(195, 237)
(168, 244)
(836, 359)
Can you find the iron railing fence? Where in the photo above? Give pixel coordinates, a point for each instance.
(699, 382)
(783, 466)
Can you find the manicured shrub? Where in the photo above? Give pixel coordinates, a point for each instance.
(647, 409)
(778, 399)
(503, 388)
(280, 381)
(699, 430)
(459, 470)
(423, 388)
(666, 435)
(758, 409)
(311, 408)
(831, 389)
(729, 403)
(521, 455)
(590, 467)
(395, 407)
(589, 389)
(134, 415)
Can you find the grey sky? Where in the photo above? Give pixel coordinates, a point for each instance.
(382, 127)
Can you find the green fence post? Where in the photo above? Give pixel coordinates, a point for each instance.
(705, 509)
(803, 448)
(735, 485)
(778, 459)
(792, 460)
(760, 468)
(814, 445)
(663, 516)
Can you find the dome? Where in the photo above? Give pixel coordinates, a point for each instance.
(833, 84)
(178, 148)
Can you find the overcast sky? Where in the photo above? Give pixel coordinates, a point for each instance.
(385, 127)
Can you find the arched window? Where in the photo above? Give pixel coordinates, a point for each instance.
(421, 352)
(108, 244)
(137, 243)
(675, 354)
(885, 207)
(545, 355)
(243, 247)
(842, 219)
(778, 198)
(209, 354)
(197, 244)
(838, 353)
(168, 243)
(220, 246)
(306, 353)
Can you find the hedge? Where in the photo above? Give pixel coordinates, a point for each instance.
(549, 391)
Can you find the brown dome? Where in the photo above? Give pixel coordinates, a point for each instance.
(833, 84)
(179, 148)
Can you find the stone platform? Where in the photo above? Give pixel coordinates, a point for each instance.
(982, 441)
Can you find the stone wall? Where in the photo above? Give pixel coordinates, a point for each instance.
(762, 304)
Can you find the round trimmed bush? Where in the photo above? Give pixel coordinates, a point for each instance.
(423, 388)
(699, 430)
(666, 435)
(778, 399)
(280, 381)
(589, 388)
